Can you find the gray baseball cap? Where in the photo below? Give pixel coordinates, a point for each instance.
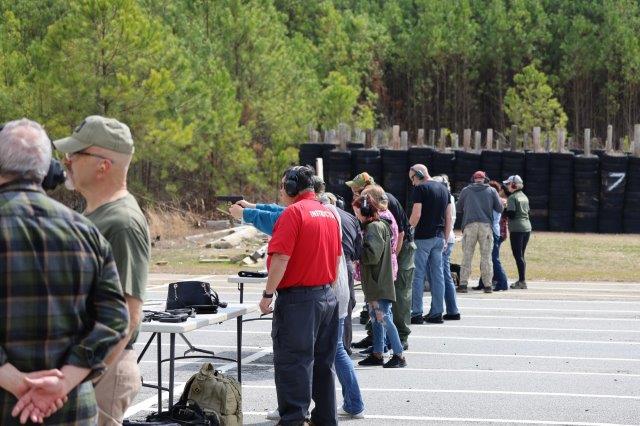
(513, 179)
(107, 133)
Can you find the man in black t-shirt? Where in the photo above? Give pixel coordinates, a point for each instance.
(401, 308)
(431, 218)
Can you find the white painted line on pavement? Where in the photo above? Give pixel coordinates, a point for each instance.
(462, 420)
(494, 355)
(179, 386)
(480, 392)
(547, 301)
(554, 318)
(475, 370)
(493, 308)
(439, 353)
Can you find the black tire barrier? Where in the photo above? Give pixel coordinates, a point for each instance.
(442, 164)
(337, 170)
(561, 194)
(536, 186)
(310, 151)
(512, 164)
(416, 155)
(465, 165)
(613, 174)
(354, 145)
(491, 163)
(631, 214)
(395, 173)
(367, 160)
(586, 184)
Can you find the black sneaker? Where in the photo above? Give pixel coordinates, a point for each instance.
(396, 361)
(451, 317)
(405, 346)
(434, 320)
(365, 352)
(363, 344)
(371, 360)
(417, 320)
(478, 287)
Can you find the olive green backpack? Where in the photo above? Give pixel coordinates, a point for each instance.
(218, 395)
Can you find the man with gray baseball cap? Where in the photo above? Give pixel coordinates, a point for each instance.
(98, 154)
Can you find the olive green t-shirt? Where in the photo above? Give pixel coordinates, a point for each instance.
(123, 224)
(519, 203)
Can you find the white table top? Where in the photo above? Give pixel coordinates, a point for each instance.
(246, 280)
(233, 310)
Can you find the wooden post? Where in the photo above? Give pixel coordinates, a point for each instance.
(636, 140)
(608, 147)
(514, 137)
(342, 136)
(477, 143)
(319, 168)
(560, 140)
(537, 147)
(587, 141)
(404, 140)
(547, 142)
(466, 140)
(441, 143)
(314, 136)
(368, 142)
(395, 137)
(420, 141)
(489, 139)
(432, 138)
(362, 137)
(455, 144)
(525, 141)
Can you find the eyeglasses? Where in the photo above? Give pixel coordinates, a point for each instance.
(88, 154)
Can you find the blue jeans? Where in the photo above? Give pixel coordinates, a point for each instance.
(428, 260)
(499, 275)
(353, 403)
(384, 330)
(449, 287)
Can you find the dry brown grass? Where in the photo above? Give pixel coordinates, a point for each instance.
(169, 225)
(550, 256)
(555, 256)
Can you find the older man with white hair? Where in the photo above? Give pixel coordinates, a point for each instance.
(98, 154)
(60, 299)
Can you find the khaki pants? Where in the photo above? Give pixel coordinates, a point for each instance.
(117, 389)
(473, 233)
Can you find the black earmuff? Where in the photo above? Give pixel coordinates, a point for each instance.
(418, 173)
(365, 208)
(291, 185)
(295, 180)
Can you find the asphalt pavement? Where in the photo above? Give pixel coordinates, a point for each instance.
(557, 353)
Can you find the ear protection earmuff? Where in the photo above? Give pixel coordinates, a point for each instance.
(291, 183)
(365, 208)
(295, 180)
(418, 173)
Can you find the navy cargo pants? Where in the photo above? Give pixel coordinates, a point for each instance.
(305, 334)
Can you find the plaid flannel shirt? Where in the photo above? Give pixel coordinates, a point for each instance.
(60, 296)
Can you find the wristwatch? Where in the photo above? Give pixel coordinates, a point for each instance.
(266, 295)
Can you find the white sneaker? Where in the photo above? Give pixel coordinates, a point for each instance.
(273, 415)
(342, 412)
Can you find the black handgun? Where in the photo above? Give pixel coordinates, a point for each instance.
(231, 199)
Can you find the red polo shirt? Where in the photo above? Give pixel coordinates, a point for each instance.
(308, 233)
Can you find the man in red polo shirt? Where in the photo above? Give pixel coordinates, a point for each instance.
(303, 260)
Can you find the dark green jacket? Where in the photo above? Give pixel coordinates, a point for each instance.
(375, 263)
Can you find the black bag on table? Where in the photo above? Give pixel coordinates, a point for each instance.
(193, 294)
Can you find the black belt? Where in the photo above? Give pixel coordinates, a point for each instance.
(301, 289)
